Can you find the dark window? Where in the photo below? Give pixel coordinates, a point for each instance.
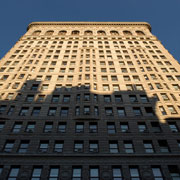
(52, 111)
(54, 173)
(163, 145)
(148, 146)
(113, 147)
(24, 111)
(78, 146)
(66, 98)
(133, 98)
(142, 127)
(86, 110)
(124, 127)
(137, 111)
(13, 174)
(79, 127)
(121, 111)
(55, 99)
(30, 127)
(128, 146)
(107, 98)
(17, 127)
(36, 111)
(76, 173)
(58, 146)
(109, 111)
(149, 111)
(93, 128)
(36, 174)
(34, 87)
(23, 146)
(173, 127)
(134, 173)
(117, 173)
(2, 124)
(93, 146)
(48, 127)
(111, 128)
(64, 111)
(157, 173)
(30, 98)
(118, 98)
(156, 127)
(94, 173)
(9, 145)
(174, 172)
(62, 127)
(43, 146)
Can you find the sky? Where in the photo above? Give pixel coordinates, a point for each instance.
(163, 15)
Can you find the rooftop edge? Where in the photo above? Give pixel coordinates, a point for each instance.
(89, 23)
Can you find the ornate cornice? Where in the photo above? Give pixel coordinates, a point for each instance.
(90, 23)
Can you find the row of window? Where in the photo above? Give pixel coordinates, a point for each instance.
(77, 173)
(87, 110)
(88, 32)
(93, 127)
(94, 147)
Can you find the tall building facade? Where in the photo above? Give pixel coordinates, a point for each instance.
(89, 101)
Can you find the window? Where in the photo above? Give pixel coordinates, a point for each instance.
(144, 98)
(41, 98)
(142, 127)
(111, 128)
(66, 98)
(62, 127)
(17, 127)
(172, 110)
(113, 147)
(126, 78)
(29, 98)
(76, 173)
(109, 111)
(24, 111)
(2, 109)
(77, 111)
(79, 127)
(44, 87)
(9, 145)
(124, 127)
(163, 146)
(13, 174)
(23, 146)
(133, 98)
(93, 128)
(128, 146)
(43, 146)
(121, 111)
(134, 173)
(107, 98)
(118, 98)
(64, 111)
(116, 87)
(48, 127)
(58, 146)
(96, 111)
(157, 173)
(93, 146)
(86, 97)
(149, 111)
(54, 173)
(174, 172)
(116, 173)
(173, 127)
(162, 110)
(2, 126)
(55, 99)
(148, 146)
(156, 127)
(36, 111)
(106, 87)
(34, 87)
(30, 127)
(86, 110)
(36, 174)
(129, 87)
(94, 173)
(137, 111)
(78, 146)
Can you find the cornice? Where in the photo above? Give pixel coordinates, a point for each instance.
(90, 23)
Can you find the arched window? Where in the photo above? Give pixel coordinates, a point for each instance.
(49, 33)
(75, 32)
(101, 33)
(88, 33)
(36, 33)
(127, 33)
(62, 32)
(114, 33)
(140, 33)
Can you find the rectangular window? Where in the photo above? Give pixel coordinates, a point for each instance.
(93, 146)
(137, 111)
(36, 174)
(43, 146)
(17, 127)
(2, 124)
(79, 127)
(111, 128)
(173, 127)
(76, 173)
(62, 127)
(24, 111)
(163, 145)
(52, 111)
(113, 147)
(156, 127)
(94, 173)
(23, 146)
(54, 173)
(78, 146)
(157, 173)
(133, 98)
(134, 173)
(128, 146)
(124, 127)
(174, 172)
(148, 146)
(109, 111)
(36, 111)
(9, 145)
(117, 173)
(58, 146)
(93, 128)
(13, 174)
(55, 99)
(121, 111)
(48, 127)
(142, 127)
(30, 127)
(86, 110)
(64, 112)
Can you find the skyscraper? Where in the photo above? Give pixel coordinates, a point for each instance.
(89, 101)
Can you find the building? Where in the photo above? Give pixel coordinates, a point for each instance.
(89, 101)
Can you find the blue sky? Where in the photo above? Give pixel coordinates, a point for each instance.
(163, 15)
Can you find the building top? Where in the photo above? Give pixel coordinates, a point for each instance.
(91, 23)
